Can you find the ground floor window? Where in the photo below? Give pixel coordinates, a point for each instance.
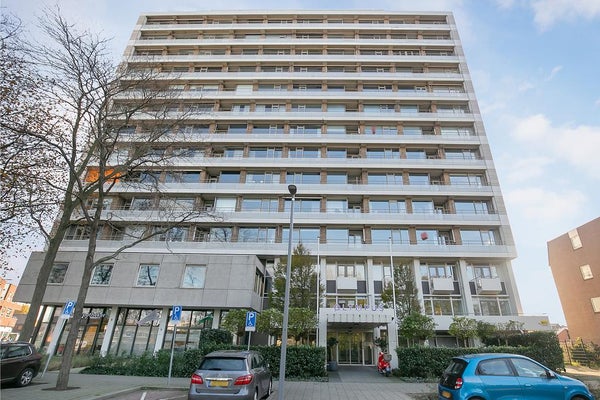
(443, 305)
(130, 338)
(91, 329)
(189, 330)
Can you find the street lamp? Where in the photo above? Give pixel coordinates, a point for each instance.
(286, 302)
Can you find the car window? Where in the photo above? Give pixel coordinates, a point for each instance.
(496, 367)
(456, 367)
(14, 351)
(223, 364)
(527, 368)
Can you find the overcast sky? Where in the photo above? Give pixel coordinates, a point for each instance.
(534, 64)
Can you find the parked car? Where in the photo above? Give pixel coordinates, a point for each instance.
(506, 376)
(230, 374)
(19, 362)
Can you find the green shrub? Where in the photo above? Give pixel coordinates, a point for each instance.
(302, 362)
(430, 362)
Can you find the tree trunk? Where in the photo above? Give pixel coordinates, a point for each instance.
(62, 381)
(42, 279)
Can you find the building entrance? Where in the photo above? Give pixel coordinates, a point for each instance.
(355, 348)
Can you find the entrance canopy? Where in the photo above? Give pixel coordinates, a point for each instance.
(357, 317)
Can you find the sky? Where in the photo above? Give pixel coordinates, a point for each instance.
(534, 65)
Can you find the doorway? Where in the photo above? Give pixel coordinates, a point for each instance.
(355, 348)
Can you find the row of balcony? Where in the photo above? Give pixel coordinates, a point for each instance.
(327, 249)
(352, 216)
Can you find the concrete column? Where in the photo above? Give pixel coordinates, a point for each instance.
(392, 328)
(370, 284)
(162, 329)
(465, 288)
(110, 328)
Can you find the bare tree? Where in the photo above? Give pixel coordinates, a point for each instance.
(27, 165)
(94, 104)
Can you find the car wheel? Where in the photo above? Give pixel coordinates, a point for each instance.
(25, 377)
(256, 394)
(269, 388)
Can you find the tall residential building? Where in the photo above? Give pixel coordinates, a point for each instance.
(372, 115)
(574, 259)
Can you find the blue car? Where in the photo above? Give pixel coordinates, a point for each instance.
(504, 377)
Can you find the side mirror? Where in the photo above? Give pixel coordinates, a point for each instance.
(550, 374)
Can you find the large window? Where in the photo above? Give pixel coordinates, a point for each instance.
(58, 272)
(262, 177)
(471, 207)
(266, 205)
(194, 276)
(387, 206)
(220, 234)
(384, 179)
(303, 177)
(261, 235)
(101, 275)
(147, 275)
(304, 205)
(475, 237)
(301, 235)
(382, 236)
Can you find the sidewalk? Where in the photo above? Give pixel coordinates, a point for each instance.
(350, 385)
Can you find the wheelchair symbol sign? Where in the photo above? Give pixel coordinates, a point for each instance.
(176, 314)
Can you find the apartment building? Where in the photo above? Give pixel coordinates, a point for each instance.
(371, 115)
(574, 259)
(8, 309)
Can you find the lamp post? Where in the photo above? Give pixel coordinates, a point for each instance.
(286, 302)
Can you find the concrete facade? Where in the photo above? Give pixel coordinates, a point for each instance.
(372, 115)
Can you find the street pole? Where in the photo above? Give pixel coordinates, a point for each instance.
(393, 283)
(286, 302)
(318, 285)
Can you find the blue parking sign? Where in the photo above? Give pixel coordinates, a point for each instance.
(176, 314)
(68, 309)
(250, 321)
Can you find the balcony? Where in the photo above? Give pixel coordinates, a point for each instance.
(346, 284)
(488, 285)
(442, 285)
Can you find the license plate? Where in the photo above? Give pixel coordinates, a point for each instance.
(215, 383)
(446, 395)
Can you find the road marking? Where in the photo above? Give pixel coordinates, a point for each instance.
(143, 395)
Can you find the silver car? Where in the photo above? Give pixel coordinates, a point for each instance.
(230, 374)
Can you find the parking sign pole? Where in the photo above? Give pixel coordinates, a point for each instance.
(175, 318)
(60, 325)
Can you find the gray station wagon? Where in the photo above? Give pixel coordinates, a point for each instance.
(229, 375)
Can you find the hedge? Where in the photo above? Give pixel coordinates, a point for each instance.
(430, 362)
(302, 362)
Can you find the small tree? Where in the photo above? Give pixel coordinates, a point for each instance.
(417, 326)
(485, 330)
(303, 282)
(464, 329)
(235, 322)
(301, 323)
(270, 321)
(407, 299)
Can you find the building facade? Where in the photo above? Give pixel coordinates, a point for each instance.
(372, 116)
(8, 310)
(574, 259)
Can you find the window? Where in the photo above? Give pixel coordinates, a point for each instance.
(58, 272)
(586, 272)
(596, 304)
(303, 177)
(101, 275)
(496, 367)
(575, 239)
(225, 204)
(147, 275)
(194, 276)
(528, 369)
(256, 235)
(337, 178)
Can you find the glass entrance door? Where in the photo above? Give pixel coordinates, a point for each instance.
(355, 348)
